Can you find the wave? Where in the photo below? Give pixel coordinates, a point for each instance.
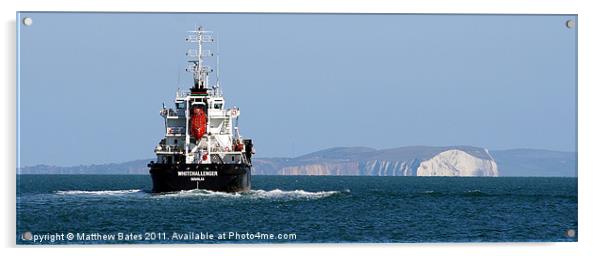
(432, 193)
(473, 191)
(277, 193)
(468, 193)
(196, 193)
(256, 194)
(98, 192)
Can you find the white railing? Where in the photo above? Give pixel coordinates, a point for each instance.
(168, 149)
(182, 94)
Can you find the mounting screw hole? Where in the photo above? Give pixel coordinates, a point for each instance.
(27, 21)
(570, 23)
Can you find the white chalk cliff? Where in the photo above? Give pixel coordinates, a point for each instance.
(457, 163)
(403, 161)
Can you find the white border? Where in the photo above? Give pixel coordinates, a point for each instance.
(589, 128)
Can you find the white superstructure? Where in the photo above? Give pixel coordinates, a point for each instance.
(200, 130)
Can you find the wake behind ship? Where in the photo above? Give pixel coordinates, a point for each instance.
(202, 148)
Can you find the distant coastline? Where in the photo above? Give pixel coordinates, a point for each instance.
(363, 161)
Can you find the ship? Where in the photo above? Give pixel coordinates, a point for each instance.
(202, 147)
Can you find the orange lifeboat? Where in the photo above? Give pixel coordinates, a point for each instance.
(198, 122)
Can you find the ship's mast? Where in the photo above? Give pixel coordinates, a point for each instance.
(200, 72)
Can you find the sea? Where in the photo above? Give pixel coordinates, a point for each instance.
(120, 209)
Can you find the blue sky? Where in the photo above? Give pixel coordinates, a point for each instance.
(91, 84)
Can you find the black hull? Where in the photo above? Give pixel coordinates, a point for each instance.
(215, 177)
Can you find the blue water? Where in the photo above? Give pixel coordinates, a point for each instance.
(315, 209)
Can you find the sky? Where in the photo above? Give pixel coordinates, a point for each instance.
(90, 85)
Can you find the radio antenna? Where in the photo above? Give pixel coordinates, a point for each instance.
(217, 69)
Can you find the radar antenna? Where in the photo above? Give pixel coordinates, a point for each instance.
(200, 72)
